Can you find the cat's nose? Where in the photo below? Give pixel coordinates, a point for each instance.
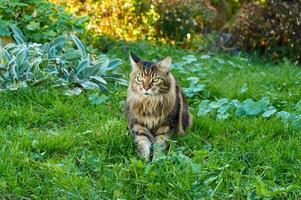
(146, 87)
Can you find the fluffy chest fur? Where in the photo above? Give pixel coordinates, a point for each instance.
(151, 111)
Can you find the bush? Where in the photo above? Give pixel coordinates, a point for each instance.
(39, 20)
(167, 21)
(272, 28)
(181, 19)
(122, 19)
(57, 63)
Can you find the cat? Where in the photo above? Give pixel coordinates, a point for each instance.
(155, 105)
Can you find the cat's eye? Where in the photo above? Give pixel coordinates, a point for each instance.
(156, 80)
(139, 78)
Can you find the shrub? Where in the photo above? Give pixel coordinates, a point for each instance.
(273, 28)
(57, 63)
(167, 21)
(122, 19)
(39, 20)
(181, 19)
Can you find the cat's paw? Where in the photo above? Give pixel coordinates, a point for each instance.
(158, 151)
(144, 152)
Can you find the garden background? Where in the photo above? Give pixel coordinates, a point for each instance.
(64, 71)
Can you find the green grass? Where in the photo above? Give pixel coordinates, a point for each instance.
(61, 147)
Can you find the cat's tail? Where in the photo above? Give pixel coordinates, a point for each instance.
(185, 118)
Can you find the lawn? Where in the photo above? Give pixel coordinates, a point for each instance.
(55, 146)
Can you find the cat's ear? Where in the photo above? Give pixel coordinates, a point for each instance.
(165, 64)
(134, 60)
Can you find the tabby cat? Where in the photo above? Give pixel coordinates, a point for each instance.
(155, 105)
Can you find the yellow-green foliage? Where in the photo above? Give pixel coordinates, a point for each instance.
(171, 20)
(127, 19)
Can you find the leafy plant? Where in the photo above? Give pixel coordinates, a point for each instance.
(179, 20)
(271, 28)
(225, 108)
(252, 108)
(30, 64)
(194, 87)
(39, 20)
(95, 99)
(165, 21)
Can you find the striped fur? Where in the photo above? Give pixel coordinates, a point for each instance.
(155, 105)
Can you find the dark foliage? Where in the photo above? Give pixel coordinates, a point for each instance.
(273, 28)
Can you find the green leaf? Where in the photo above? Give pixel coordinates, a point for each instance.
(18, 39)
(4, 29)
(74, 91)
(29, 75)
(7, 56)
(79, 44)
(99, 79)
(271, 110)
(199, 155)
(25, 66)
(190, 58)
(12, 87)
(21, 56)
(260, 187)
(121, 81)
(203, 108)
(96, 100)
(104, 66)
(52, 53)
(193, 90)
(39, 81)
(298, 106)
(196, 168)
(103, 88)
(71, 55)
(284, 115)
(82, 65)
(17, 34)
(251, 108)
(223, 113)
(12, 69)
(193, 80)
(45, 47)
(263, 103)
(98, 62)
(59, 41)
(241, 107)
(89, 85)
(218, 103)
(88, 72)
(32, 26)
(113, 64)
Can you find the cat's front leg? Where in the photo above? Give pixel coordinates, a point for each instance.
(161, 138)
(143, 140)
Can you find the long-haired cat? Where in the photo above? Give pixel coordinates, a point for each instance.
(155, 105)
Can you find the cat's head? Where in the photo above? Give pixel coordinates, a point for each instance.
(150, 78)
